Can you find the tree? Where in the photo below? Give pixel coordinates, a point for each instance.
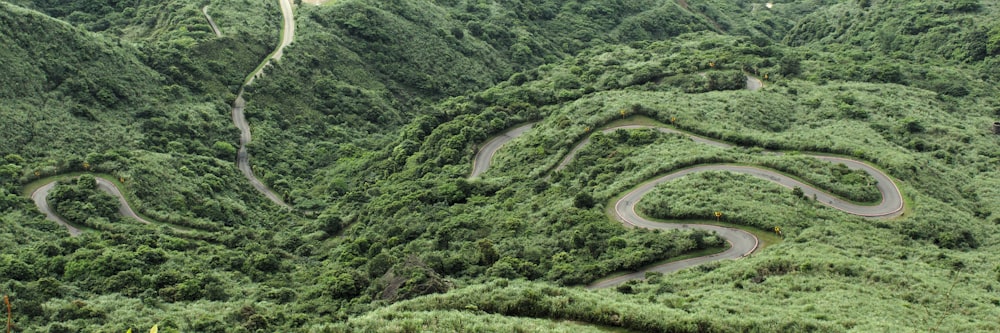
(797, 191)
(583, 200)
(790, 65)
(224, 150)
(912, 125)
(487, 254)
(725, 80)
(86, 182)
(966, 6)
(329, 223)
(380, 264)
(9, 173)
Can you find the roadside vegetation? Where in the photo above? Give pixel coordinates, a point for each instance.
(369, 124)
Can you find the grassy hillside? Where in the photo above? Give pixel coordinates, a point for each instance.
(370, 122)
(58, 76)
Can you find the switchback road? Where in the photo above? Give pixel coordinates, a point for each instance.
(741, 243)
(484, 157)
(39, 197)
(239, 105)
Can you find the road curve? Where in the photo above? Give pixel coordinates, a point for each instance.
(741, 243)
(243, 155)
(123, 206)
(40, 197)
(484, 157)
(239, 105)
(891, 204)
(287, 30)
(211, 23)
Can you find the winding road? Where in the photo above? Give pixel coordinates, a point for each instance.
(741, 243)
(239, 105)
(211, 23)
(40, 195)
(485, 155)
(243, 155)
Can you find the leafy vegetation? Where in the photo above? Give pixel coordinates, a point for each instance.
(369, 124)
(83, 204)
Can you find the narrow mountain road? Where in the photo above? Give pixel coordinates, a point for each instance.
(239, 119)
(741, 243)
(243, 155)
(890, 206)
(576, 149)
(123, 207)
(484, 156)
(40, 195)
(287, 30)
(211, 23)
(239, 105)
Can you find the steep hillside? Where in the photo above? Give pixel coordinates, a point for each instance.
(371, 122)
(923, 31)
(58, 76)
(363, 69)
(83, 101)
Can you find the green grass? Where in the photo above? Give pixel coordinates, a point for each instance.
(634, 120)
(804, 181)
(688, 255)
(353, 121)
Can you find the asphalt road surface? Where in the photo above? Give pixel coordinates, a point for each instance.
(239, 105)
(741, 243)
(243, 156)
(40, 198)
(754, 84)
(239, 119)
(215, 28)
(485, 155)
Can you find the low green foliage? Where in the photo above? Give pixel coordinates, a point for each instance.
(741, 198)
(83, 204)
(369, 123)
(452, 321)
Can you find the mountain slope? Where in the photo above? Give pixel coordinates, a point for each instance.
(371, 120)
(73, 77)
